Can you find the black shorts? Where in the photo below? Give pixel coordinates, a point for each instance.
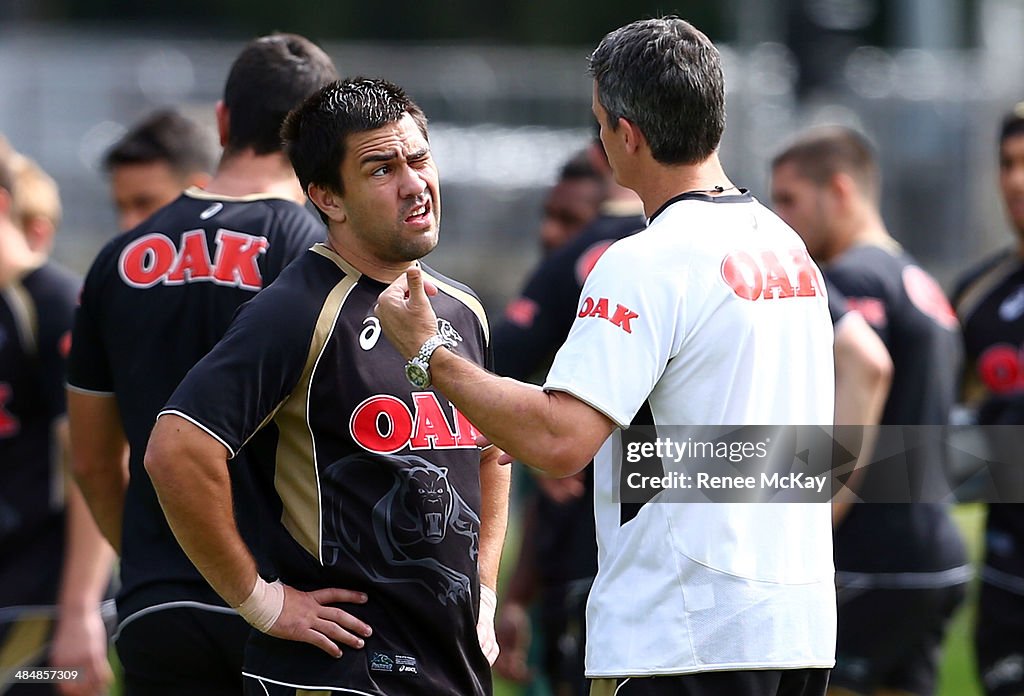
(999, 641)
(182, 650)
(762, 682)
(892, 638)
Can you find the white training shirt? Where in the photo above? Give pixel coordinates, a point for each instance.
(713, 315)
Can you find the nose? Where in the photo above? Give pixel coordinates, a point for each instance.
(412, 183)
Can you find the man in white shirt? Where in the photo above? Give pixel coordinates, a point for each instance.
(714, 315)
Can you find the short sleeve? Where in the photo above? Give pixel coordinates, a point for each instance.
(88, 360)
(239, 384)
(623, 336)
(865, 293)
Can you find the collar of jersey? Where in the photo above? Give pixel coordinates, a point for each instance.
(742, 197)
(198, 193)
(328, 253)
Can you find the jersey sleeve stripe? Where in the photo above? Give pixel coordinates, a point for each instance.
(297, 482)
(201, 426)
(466, 299)
(26, 318)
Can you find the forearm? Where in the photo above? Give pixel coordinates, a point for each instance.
(192, 483)
(541, 429)
(88, 558)
(103, 494)
(495, 481)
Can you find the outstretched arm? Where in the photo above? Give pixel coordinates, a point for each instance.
(190, 474)
(551, 431)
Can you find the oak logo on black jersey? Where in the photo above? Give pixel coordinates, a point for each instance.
(383, 424)
(153, 259)
(762, 276)
(9, 425)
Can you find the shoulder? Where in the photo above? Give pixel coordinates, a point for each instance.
(1006, 260)
(463, 294)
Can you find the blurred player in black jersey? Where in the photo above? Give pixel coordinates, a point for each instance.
(990, 303)
(572, 203)
(158, 158)
(901, 568)
(558, 558)
(54, 564)
(156, 299)
(379, 492)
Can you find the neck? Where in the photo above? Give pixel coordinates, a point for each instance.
(16, 257)
(246, 173)
(365, 263)
(668, 181)
(864, 228)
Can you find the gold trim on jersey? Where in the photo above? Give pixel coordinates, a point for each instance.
(26, 319)
(328, 253)
(200, 194)
(981, 286)
(465, 298)
(297, 473)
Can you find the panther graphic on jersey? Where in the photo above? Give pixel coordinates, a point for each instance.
(419, 509)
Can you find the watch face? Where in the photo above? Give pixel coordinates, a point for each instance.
(417, 375)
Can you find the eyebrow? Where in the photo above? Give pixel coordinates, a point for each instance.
(389, 155)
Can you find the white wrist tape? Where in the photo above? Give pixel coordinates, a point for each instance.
(263, 605)
(485, 624)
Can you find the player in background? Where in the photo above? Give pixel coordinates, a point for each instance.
(54, 564)
(731, 598)
(155, 301)
(381, 487)
(901, 568)
(572, 202)
(158, 158)
(990, 303)
(558, 553)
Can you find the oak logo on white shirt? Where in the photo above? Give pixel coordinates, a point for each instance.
(621, 317)
(761, 275)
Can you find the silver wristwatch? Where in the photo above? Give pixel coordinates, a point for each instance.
(417, 370)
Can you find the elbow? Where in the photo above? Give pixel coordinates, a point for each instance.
(563, 458)
(159, 456)
(878, 370)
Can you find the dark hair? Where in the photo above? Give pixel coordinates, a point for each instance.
(314, 134)
(1013, 123)
(823, 152)
(665, 77)
(580, 167)
(271, 76)
(165, 136)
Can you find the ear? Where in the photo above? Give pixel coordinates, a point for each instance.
(40, 233)
(329, 202)
(5, 203)
(223, 122)
(844, 188)
(633, 139)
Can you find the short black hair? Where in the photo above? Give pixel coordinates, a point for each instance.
(314, 134)
(665, 77)
(270, 77)
(822, 152)
(165, 136)
(580, 167)
(1013, 123)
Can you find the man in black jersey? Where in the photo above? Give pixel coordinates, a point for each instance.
(379, 493)
(54, 564)
(901, 568)
(156, 299)
(990, 303)
(158, 158)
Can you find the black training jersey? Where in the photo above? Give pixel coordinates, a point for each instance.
(537, 322)
(35, 323)
(915, 321)
(990, 303)
(156, 300)
(374, 485)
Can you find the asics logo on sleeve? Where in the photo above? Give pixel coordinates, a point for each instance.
(154, 259)
(762, 275)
